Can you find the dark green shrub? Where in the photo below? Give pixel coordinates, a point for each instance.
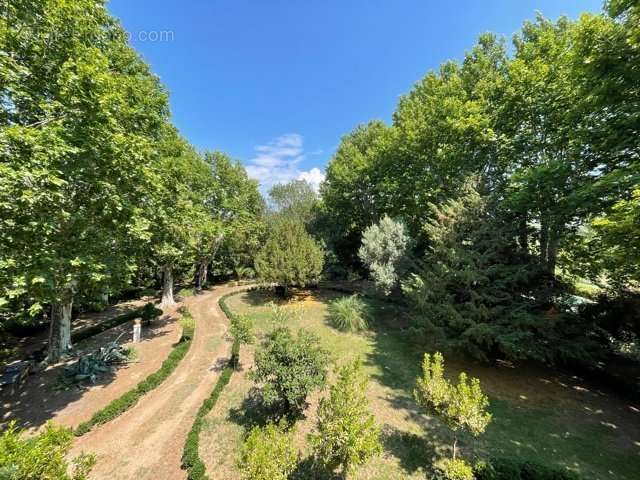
(349, 314)
(289, 369)
(149, 313)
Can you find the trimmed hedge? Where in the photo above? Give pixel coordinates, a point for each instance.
(511, 469)
(123, 403)
(191, 461)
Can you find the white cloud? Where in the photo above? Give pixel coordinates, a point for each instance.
(278, 160)
(314, 176)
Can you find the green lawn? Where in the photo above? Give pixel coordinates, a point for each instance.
(538, 413)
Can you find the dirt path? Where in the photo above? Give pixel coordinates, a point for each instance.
(146, 442)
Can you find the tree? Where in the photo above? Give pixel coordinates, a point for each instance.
(268, 453)
(289, 256)
(240, 207)
(384, 250)
(79, 123)
(346, 435)
(295, 200)
(289, 368)
(463, 407)
(477, 292)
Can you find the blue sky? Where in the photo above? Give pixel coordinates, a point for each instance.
(276, 84)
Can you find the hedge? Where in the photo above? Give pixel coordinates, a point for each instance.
(191, 461)
(123, 403)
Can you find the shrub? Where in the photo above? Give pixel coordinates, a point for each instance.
(348, 313)
(149, 312)
(268, 453)
(454, 469)
(241, 329)
(186, 292)
(282, 314)
(289, 368)
(188, 323)
(290, 256)
(43, 456)
(383, 251)
(347, 434)
(462, 406)
(512, 469)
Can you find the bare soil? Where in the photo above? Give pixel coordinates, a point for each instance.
(146, 442)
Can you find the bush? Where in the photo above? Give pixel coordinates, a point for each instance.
(241, 329)
(347, 434)
(289, 369)
(149, 313)
(349, 314)
(187, 323)
(511, 469)
(454, 469)
(43, 456)
(384, 251)
(268, 453)
(290, 256)
(463, 407)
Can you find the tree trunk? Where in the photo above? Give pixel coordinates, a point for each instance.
(552, 252)
(455, 446)
(201, 276)
(104, 296)
(167, 288)
(544, 239)
(60, 329)
(523, 234)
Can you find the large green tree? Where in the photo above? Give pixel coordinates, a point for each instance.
(79, 124)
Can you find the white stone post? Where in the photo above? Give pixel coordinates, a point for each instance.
(137, 330)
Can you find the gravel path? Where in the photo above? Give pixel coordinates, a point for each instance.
(146, 442)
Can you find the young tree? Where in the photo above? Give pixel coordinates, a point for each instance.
(268, 453)
(463, 407)
(289, 368)
(384, 250)
(289, 256)
(347, 435)
(241, 329)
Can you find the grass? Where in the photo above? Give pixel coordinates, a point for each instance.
(191, 461)
(129, 399)
(348, 314)
(539, 415)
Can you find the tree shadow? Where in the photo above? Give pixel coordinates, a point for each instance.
(307, 468)
(414, 452)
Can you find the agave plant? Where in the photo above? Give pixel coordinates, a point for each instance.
(91, 365)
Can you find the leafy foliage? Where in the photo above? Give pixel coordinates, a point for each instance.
(453, 469)
(346, 431)
(289, 368)
(268, 453)
(463, 407)
(42, 456)
(289, 256)
(349, 313)
(241, 329)
(384, 249)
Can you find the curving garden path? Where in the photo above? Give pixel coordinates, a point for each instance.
(146, 442)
